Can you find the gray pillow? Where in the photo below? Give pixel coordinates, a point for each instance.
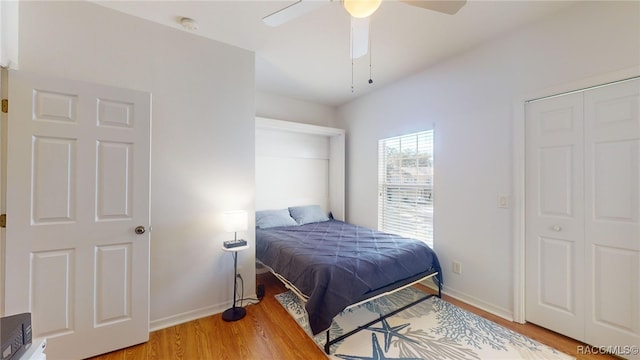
(308, 214)
(273, 218)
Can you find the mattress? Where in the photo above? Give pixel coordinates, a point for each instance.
(335, 264)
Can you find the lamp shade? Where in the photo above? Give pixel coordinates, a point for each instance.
(361, 8)
(235, 221)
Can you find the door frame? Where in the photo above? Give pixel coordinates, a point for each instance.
(4, 93)
(518, 174)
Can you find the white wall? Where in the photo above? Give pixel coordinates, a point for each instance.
(470, 99)
(9, 34)
(202, 137)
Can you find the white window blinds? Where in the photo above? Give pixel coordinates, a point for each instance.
(405, 185)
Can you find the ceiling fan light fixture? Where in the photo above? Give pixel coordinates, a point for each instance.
(361, 8)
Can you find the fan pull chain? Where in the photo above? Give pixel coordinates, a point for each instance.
(370, 78)
(353, 62)
(352, 87)
(351, 38)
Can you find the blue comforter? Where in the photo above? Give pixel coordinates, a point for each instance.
(335, 264)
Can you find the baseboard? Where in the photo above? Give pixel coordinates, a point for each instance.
(473, 301)
(184, 317)
(187, 316)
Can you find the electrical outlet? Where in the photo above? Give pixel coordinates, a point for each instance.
(457, 267)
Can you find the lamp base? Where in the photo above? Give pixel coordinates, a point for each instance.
(234, 314)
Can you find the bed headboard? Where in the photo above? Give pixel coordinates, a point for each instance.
(299, 164)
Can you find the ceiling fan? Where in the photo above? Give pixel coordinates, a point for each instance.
(360, 11)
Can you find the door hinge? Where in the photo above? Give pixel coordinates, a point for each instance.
(5, 105)
(3, 220)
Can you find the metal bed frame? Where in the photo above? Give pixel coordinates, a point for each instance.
(386, 290)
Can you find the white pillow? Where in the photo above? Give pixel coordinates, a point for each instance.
(308, 214)
(273, 218)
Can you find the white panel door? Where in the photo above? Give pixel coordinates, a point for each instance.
(78, 186)
(612, 219)
(554, 212)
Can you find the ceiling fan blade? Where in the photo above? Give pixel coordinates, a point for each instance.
(359, 37)
(298, 8)
(444, 6)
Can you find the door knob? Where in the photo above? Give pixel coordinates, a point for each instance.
(557, 228)
(140, 230)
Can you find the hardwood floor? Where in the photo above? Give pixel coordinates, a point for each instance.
(268, 332)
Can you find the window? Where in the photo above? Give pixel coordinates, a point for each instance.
(405, 185)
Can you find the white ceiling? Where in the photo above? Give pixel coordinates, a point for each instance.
(308, 58)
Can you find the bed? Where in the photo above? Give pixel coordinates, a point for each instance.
(331, 264)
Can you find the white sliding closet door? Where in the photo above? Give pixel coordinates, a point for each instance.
(612, 221)
(555, 212)
(583, 215)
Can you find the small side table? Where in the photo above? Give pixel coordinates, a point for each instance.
(235, 312)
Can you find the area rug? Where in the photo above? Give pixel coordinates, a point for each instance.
(432, 329)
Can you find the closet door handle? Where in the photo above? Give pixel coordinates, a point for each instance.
(556, 228)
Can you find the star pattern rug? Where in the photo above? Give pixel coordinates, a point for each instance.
(432, 329)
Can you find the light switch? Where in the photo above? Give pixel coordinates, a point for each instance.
(503, 201)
